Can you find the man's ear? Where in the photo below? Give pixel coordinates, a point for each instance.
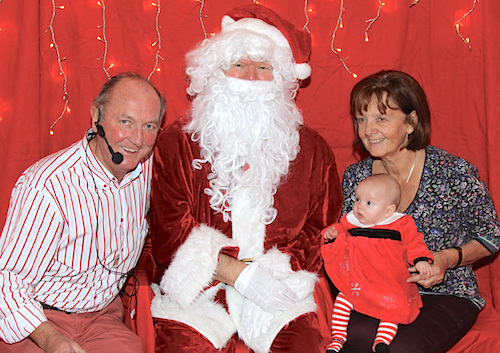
(94, 113)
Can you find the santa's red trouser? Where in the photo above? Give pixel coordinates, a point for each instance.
(102, 331)
(299, 336)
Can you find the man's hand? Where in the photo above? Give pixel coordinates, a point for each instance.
(258, 285)
(48, 338)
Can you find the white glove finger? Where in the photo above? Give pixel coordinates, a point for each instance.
(255, 321)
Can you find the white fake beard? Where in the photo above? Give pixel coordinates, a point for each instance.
(241, 123)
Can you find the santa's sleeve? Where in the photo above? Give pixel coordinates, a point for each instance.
(184, 247)
(315, 182)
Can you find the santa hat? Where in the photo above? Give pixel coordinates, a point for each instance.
(260, 19)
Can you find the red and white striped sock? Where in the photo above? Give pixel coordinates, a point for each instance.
(340, 318)
(385, 333)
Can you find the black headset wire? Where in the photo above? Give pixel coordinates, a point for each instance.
(135, 285)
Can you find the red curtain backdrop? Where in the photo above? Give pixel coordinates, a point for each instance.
(50, 55)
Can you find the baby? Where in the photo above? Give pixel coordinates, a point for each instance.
(368, 262)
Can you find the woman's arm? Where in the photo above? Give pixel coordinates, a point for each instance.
(448, 259)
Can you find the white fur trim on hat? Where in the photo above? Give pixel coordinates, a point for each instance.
(300, 70)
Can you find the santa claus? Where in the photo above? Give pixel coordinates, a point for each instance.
(241, 190)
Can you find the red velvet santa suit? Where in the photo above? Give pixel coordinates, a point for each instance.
(371, 269)
(187, 236)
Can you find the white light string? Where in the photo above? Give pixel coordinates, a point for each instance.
(337, 51)
(459, 24)
(307, 17)
(371, 21)
(201, 16)
(59, 63)
(158, 42)
(104, 39)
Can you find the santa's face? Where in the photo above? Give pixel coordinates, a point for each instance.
(248, 69)
(248, 133)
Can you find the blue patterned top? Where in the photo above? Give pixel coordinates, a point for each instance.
(452, 206)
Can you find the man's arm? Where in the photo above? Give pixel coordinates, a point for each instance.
(29, 237)
(228, 269)
(447, 259)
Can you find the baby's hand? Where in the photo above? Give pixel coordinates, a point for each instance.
(330, 233)
(424, 269)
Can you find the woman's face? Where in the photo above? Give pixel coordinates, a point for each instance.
(383, 135)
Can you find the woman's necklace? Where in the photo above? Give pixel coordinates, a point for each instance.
(412, 167)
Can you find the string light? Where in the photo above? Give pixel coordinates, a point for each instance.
(104, 39)
(54, 45)
(158, 42)
(201, 16)
(371, 21)
(414, 3)
(337, 51)
(459, 24)
(307, 17)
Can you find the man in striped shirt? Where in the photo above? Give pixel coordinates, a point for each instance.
(75, 227)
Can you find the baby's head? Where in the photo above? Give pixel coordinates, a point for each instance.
(376, 198)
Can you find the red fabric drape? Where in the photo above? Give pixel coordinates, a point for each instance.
(461, 84)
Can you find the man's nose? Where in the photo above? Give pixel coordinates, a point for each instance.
(251, 73)
(137, 136)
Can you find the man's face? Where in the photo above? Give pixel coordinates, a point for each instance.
(131, 122)
(247, 69)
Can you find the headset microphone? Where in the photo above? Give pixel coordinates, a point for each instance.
(116, 157)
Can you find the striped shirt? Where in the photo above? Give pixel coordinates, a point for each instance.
(72, 233)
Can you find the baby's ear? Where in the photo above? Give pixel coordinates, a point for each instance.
(390, 210)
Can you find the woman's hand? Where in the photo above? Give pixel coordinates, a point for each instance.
(448, 258)
(442, 261)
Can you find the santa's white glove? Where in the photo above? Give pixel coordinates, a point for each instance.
(258, 285)
(254, 320)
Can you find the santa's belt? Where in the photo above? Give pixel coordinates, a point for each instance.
(375, 233)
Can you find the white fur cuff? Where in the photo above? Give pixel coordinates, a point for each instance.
(194, 264)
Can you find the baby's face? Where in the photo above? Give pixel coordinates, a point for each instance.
(371, 204)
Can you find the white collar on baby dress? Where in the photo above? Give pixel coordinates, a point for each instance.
(351, 218)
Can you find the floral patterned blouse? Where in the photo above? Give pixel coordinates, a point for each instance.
(452, 206)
